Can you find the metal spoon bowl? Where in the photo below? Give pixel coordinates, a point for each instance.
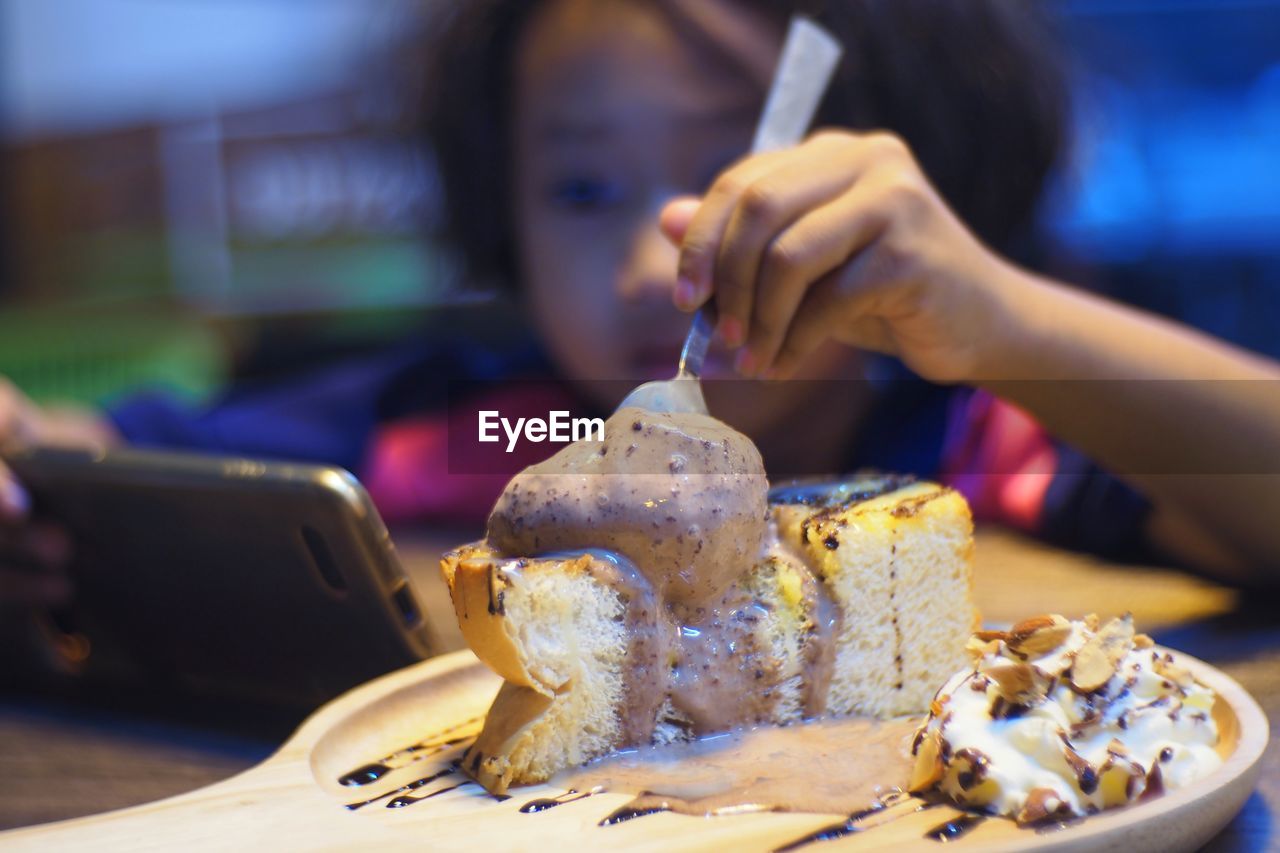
(683, 392)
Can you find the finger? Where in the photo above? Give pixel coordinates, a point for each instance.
(815, 245)
(673, 222)
(702, 237)
(15, 504)
(676, 215)
(766, 207)
(808, 328)
(826, 306)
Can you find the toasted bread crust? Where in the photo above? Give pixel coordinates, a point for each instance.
(477, 587)
(538, 699)
(514, 712)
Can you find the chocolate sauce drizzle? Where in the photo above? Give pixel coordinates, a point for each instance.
(826, 833)
(404, 789)
(893, 607)
(955, 828)
(406, 800)
(364, 775)
(850, 824)
(433, 745)
(543, 803)
(626, 813)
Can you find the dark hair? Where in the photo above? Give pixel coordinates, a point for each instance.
(975, 87)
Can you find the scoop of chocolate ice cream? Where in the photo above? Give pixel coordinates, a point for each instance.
(682, 495)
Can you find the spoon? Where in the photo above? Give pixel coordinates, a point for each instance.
(809, 58)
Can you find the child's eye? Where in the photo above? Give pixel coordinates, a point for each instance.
(583, 195)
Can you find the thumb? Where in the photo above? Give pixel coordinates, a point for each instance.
(676, 215)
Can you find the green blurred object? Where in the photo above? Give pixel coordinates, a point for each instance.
(334, 276)
(89, 356)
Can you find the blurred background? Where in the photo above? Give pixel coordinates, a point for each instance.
(200, 190)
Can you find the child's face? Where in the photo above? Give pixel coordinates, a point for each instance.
(617, 112)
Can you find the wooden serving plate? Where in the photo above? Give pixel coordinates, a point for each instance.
(294, 800)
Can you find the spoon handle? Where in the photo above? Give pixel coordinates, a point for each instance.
(697, 341)
(809, 58)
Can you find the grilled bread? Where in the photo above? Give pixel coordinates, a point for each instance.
(860, 605)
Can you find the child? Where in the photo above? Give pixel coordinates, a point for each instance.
(577, 139)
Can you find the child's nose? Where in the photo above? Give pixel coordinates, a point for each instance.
(649, 268)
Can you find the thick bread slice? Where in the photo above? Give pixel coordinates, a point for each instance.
(556, 632)
(557, 635)
(898, 566)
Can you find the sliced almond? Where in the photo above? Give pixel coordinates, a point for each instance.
(927, 770)
(979, 648)
(1097, 659)
(1039, 635)
(1030, 626)
(1018, 683)
(989, 636)
(1142, 641)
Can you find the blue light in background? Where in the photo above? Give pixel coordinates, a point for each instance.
(1178, 148)
(1172, 198)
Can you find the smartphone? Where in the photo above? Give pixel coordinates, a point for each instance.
(250, 579)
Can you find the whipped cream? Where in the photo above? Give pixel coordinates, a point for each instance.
(1059, 719)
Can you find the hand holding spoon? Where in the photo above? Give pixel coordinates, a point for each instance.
(809, 58)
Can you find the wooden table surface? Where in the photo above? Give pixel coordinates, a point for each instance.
(60, 760)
